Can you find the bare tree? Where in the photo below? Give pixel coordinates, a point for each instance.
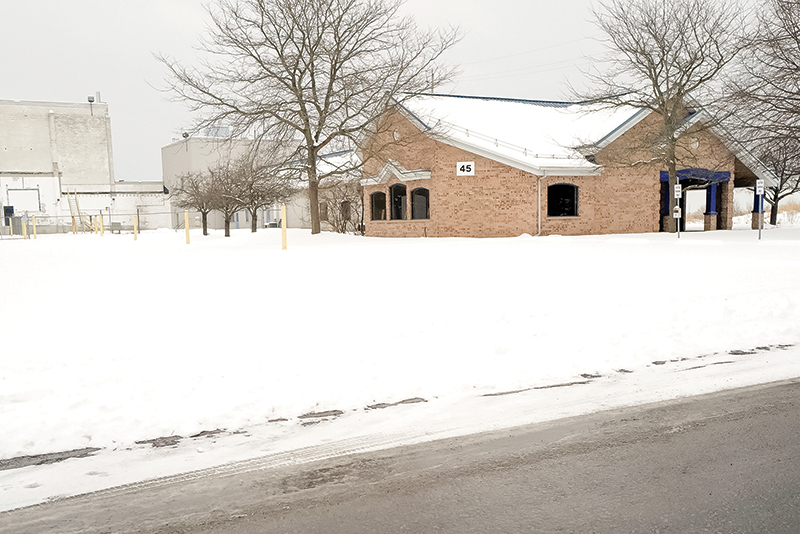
(320, 70)
(340, 193)
(226, 178)
(661, 55)
(782, 157)
(766, 94)
(345, 211)
(194, 192)
(770, 84)
(262, 184)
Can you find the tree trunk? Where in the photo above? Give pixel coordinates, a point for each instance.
(773, 213)
(313, 201)
(227, 225)
(361, 227)
(313, 187)
(204, 218)
(254, 220)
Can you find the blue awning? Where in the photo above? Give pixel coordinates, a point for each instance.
(699, 174)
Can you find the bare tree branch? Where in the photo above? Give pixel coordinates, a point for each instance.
(766, 95)
(320, 71)
(193, 192)
(662, 56)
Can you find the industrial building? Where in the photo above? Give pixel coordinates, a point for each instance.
(57, 165)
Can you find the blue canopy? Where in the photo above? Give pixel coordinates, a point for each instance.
(699, 174)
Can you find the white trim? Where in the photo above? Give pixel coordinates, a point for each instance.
(621, 130)
(720, 132)
(755, 165)
(393, 168)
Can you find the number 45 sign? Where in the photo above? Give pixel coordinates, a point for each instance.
(465, 168)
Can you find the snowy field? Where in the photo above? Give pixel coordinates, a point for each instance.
(105, 341)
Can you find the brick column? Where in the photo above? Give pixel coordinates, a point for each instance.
(725, 208)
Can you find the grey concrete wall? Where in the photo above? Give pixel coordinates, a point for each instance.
(68, 141)
(198, 154)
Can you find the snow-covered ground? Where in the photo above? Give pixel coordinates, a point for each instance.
(105, 341)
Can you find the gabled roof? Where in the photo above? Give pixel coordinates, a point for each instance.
(542, 137)
(537, 136)
(698, 115)
(736, 147)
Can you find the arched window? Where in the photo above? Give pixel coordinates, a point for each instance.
(378, 204)
(398, 194)
(562, 200)
(420, 203)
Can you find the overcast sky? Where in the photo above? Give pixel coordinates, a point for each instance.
(61, 51)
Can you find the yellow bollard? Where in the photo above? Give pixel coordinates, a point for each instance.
(34, 226)
(186, 224)
(283, 227)
(135, 226)
(24, 230)
(73, 226)
(102, 228)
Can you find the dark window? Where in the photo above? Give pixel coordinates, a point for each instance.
(420, 203)
(378, 203)
(344, 209)
(323, 211)
(398, 194)
(562, 200)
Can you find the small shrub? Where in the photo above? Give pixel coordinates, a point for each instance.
(739, 209)
(790, 212)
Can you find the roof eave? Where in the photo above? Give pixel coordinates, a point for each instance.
(538, 170)
(623, 128)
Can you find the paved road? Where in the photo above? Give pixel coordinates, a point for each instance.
(726, 463)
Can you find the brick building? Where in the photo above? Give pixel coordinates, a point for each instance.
(492, 167)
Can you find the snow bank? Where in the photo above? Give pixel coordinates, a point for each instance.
(105, 341)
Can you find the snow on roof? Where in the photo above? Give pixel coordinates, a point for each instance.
(343, 162)
(537, 136)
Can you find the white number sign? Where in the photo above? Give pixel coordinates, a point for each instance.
(465, 168)
(759, 187)
(678, 191)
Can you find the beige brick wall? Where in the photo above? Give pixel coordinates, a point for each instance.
(497, 201)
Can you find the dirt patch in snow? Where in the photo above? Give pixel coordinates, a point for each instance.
(42, 459)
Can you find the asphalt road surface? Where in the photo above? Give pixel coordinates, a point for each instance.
(724, 463)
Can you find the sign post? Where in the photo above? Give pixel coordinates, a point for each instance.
(283, 227)
(676, 212)
(760, 193)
